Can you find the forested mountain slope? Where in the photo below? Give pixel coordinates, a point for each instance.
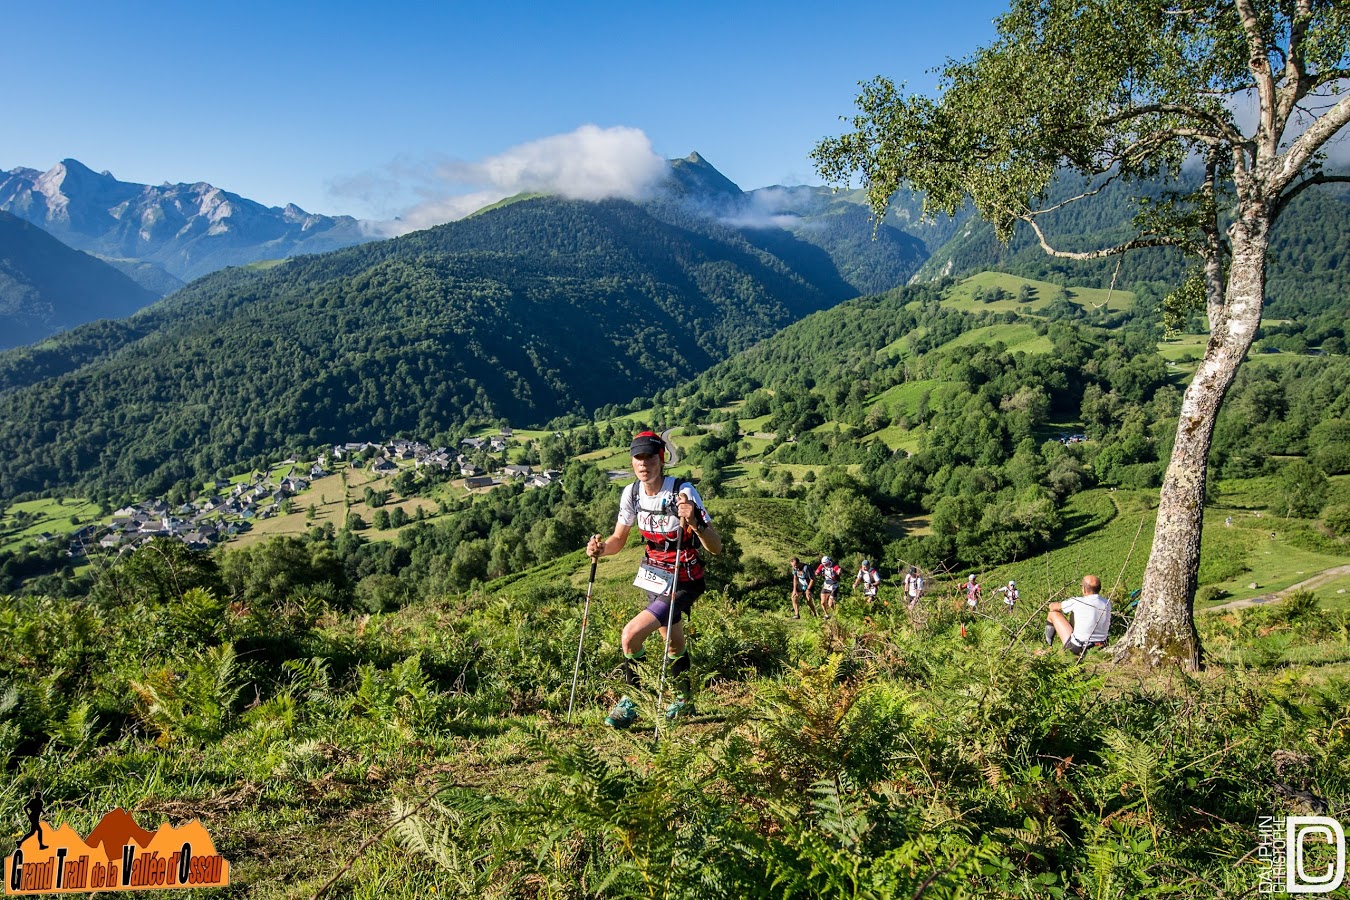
(529, 311)
(46, 286)
(1305, 274)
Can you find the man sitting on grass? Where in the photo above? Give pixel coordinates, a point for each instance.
(1091, 619)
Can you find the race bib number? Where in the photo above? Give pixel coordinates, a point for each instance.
(656, 581)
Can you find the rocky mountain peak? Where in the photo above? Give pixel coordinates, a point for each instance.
(187, 229)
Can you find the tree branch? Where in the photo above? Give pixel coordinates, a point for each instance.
(1259, 63)
(1224, 129)
(1309, 142)
(1083, 196)
(1134, 244)
(1156, 140)
(1287, 197)
(1296, 81)
(1329, 76)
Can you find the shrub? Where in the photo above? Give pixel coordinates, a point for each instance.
(729, 644)
(1337, 519)
(1210, 593)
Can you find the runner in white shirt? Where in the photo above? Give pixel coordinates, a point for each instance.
(827, 573)
(676, 530)
(973, 592)
(870, 578)
(913, 586)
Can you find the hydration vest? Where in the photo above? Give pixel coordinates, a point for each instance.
(661, 531)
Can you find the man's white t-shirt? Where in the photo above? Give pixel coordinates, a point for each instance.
(870, 578)
(1091, 617)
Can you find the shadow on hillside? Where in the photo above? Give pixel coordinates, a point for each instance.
(1082, 519)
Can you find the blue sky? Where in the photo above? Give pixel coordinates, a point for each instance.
(370, 109)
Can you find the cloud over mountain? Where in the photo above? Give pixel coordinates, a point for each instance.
(590, 163)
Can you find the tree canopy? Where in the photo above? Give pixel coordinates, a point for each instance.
(1119, 91)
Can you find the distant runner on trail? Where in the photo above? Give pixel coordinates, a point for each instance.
(973, 592)
(1010, 594)
(828, 573)
(670, 515)
(913, 586)
(870, 578)
(801, 586)
(1091, 619)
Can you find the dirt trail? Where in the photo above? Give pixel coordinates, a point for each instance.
(1307, 584)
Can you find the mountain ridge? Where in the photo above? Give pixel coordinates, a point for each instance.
(188, 229)
(46, 286)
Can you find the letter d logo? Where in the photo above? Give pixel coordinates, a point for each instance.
(1297, 879)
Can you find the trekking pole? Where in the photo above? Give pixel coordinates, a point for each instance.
(1128, 555)
(585, 614)
(670, 625)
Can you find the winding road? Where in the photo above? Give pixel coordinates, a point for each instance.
(1307, 584)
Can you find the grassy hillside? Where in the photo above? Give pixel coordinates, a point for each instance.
(298, 736)
(1017, 338)
(389, 710)
(1030, 294)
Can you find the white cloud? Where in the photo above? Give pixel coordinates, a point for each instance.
(591, 163)
(752, 218)
(775, 207)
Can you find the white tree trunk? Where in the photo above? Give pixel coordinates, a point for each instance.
(1163, 630)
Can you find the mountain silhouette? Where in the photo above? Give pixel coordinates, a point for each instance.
(116, 830)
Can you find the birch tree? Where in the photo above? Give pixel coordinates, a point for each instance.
(1248, 91)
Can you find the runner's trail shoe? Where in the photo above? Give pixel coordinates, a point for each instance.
(623, 714)
(679, 709)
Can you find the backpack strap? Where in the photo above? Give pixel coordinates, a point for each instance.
(675, 489)
(678, 483)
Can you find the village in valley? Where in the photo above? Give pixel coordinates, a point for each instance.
(350, 478)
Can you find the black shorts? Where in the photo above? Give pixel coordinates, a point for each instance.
(1077, 649)
(686, 592)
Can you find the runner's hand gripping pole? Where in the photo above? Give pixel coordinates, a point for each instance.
(585, 615)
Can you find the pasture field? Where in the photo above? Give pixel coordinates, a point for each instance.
(1019, 338)
(25, 521)
(903, 399)
(962, 295)
(1184, 352)
(897, 438)
(900, 348)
